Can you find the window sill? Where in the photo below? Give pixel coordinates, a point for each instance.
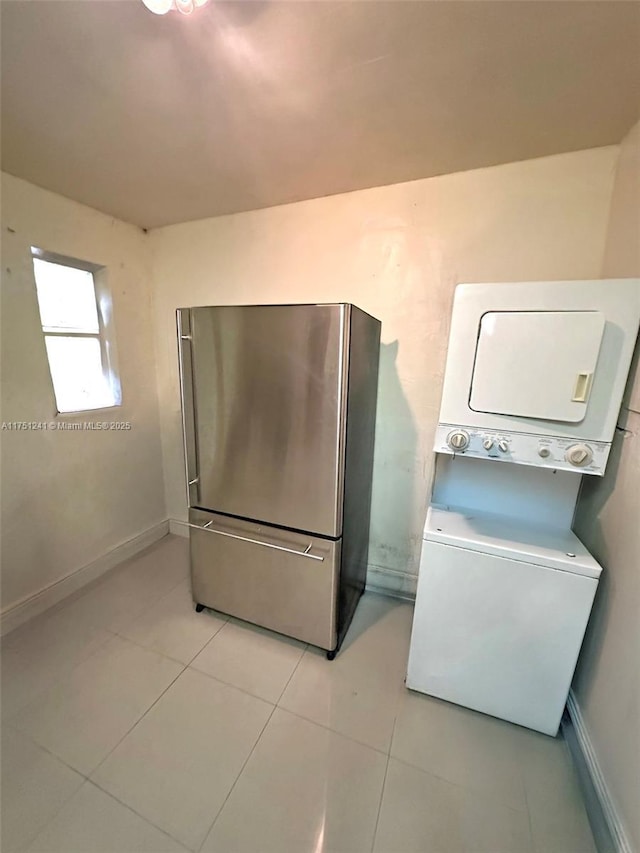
(88, 413)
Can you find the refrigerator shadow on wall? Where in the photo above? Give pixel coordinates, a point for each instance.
(393, 545)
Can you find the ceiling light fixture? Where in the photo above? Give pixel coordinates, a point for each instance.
(161, 7)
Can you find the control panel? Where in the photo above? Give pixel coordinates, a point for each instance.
(543, 451)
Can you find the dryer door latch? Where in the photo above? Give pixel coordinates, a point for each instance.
(583, 386)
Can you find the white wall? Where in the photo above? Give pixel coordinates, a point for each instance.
(70, 497)
(397, 252)
(607, 683)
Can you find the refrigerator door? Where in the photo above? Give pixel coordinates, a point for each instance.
(275, 578)
(268, 386)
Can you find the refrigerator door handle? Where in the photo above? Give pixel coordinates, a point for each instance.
(185, 339)
(304, 553)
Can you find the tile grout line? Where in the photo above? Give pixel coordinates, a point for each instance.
(195, 669)
(228, 683)
(282, 707)
(87, 778)
(211, 639)
(141, 816)
(332, 731)
(153, 704)
(108, 629)
(273, 710)
(83, 779)
(496, 801)
(384, 783)
(470, 789)
(94, 782)
(111, 635)
(165, 655)
(235, 781)
(44, 749)
(235, 686)
(146, 606)
(532, 845)
(335, 731)
(293, 672)
(88, 781)
(448, 782)
(60, 680)
(97, 767)
(66, 676)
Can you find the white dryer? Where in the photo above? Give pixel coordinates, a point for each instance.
(534, 377)
(536, 371)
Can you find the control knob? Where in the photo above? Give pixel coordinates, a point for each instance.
(503, 445)
(458, 439)
(487, 443)
(579, 455)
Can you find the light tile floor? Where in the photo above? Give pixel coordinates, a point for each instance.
(131, 724)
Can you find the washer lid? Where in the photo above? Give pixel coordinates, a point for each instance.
(555, 548)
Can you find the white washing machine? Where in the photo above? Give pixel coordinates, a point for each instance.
(534, 377)
(501, 611)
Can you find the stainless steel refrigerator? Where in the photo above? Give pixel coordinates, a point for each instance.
(278, 406)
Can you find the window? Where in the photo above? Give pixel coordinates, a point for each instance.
(75, 312)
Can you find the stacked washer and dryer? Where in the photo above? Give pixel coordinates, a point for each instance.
(534, 379)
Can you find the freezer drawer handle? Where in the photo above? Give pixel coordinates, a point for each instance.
(304, 553)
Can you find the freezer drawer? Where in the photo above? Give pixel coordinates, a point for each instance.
(284, 581)
(497, 635)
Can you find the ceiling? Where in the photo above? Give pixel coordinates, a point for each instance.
(244, 105)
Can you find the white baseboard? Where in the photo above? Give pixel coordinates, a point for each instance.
(40, 601)
(179, 528)
(612, 818)
(391, 583)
